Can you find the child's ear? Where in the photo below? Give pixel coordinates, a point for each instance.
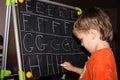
(93, 33)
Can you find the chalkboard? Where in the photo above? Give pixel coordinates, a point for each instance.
(46, 37)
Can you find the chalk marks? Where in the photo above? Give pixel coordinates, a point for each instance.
(36, 42)
(46, 37)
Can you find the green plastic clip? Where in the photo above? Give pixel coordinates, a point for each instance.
(4, 73)
(8, 2)
(21, 75)
(63, 77)
(14, 1)
(79, 10)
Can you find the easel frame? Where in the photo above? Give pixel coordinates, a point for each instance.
(3, 72)
(11, 5)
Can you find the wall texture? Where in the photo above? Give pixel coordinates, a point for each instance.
(2, 16)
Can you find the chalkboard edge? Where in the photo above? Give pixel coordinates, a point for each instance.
(59, 4)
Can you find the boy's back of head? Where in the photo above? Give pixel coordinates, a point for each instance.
(95, 18)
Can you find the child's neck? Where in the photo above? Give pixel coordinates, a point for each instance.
(102, 44)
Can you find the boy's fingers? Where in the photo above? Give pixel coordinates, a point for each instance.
(63, 65)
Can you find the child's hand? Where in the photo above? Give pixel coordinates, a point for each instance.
(68, 66)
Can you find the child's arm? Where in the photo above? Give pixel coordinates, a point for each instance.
(68, 66)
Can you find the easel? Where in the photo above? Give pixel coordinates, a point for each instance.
(3, 72)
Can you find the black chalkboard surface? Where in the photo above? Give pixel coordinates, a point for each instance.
(46, 37)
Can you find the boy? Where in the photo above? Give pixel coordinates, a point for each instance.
(94, 30)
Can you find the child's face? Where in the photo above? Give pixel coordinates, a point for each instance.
(87, 40)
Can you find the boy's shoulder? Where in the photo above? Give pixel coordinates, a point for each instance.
(102, 53)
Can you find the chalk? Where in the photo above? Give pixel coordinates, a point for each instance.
(63, 65)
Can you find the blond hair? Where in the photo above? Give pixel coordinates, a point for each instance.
(97, 19)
